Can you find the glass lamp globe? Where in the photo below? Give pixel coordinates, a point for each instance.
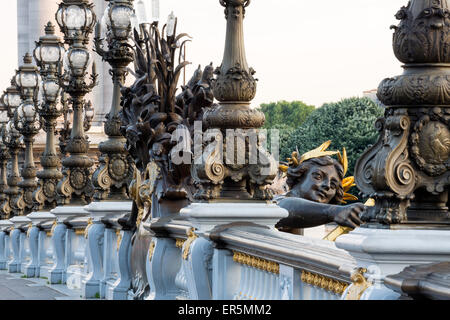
(12, 100)
(29, 112)
(49, 50)
(76, 61)
(74, 18)
(50, 90)
(27, 77)
(120, 19)
(89, 113)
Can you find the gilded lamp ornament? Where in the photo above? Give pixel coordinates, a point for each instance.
(407, 170)
(112, 35)
(76, 20)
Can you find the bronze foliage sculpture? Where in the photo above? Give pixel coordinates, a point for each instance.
(152, 115)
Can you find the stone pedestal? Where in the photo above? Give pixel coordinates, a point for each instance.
(32, 269)
(205, 216)
(4, 243)
(18, 237)
(59, 238)
(385, 252)
(208, 218)
(102, 245)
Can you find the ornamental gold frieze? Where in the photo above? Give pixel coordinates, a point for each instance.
(255, 262)
(323, 282)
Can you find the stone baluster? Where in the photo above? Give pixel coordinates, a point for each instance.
(118, 290)
(60, 239)
(101, 245)
(36, 242)
(4, 243)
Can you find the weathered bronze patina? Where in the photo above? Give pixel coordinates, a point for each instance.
(115, 170)
(234, 88)
(407, 170)
(317, 188)
(44, 197)
(76, 187)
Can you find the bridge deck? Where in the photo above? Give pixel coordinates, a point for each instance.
(14, 287)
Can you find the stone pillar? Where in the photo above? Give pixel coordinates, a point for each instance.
(18, 237)
(101, 234)
(63, 215)
(4, 243)
(36, 242)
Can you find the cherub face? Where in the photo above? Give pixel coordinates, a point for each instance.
(318, 184)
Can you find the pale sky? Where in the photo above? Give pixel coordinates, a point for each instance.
(316, 51)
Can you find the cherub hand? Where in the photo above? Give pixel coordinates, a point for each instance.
(348, 216)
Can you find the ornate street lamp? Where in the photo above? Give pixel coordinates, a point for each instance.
(49, 53)
(76, 19)
(234, 88)
(115, 171)
(11, 139)
(27, 122)
(4, 154)
(407, 171)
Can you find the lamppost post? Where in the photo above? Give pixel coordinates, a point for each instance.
(11, 139)
(27, 122)
(234, 88)
(48, 54)
(76, 20)
(115, 171)
(407, 170)
(4, 156)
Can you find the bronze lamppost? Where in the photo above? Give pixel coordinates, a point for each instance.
(234, 88)
(76, 20)
(11, 139)
(116, 166)
(4, 155)
(408, 170)
(27, 122)
(48, 54)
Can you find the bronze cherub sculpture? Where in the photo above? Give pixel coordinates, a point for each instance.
(317, 187)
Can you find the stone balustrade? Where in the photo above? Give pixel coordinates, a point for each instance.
(241, 260)
(86, 248)
(226, 251)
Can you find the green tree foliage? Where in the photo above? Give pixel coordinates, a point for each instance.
(349, 123)
(285, 114)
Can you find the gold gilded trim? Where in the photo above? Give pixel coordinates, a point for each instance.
(86, 230)
(359, 285)
(187, 245)
(255, 262)
(151, 250)
(119, 238)
(323, 282)
(30, 225)
(50, 233)
(80, 232)
(179, 243)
